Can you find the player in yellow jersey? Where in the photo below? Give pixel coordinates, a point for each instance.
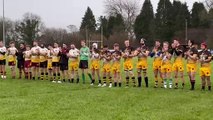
(95, 64)
(116, 68)
(27, 62)
(73, 63)
(55, 63)
(156, 53)
(43, 52)
(178, 65)
(106, 69)
(205, 69)
(12, 58)
(142, 53)
(192, 57)
(3, 51)
(35, 60)
(128, 54)
(166, 67)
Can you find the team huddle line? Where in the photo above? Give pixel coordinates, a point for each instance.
(59, 64)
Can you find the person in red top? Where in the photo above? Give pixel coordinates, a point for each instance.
(205, 58)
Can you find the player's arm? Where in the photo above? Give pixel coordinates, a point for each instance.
(209, 58)
(145, 53)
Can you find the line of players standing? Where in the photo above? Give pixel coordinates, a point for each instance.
(60, 63)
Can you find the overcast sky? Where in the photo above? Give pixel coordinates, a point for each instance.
(60, 13)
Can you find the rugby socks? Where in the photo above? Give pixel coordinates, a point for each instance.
(90, 76)
(26, 75)
(209, 88)
(115, 84)
(30, 75)
(203, 88)
(119, 84)
(146, 81)
(104, 80)
(192, 84)
(183, 84)
(59, 76)
(170, 83)
(46, 76)
(165, 83)
(93, 81)
(42, 76)
(176, 85)
(127, 81)
(72, 80)
(133, 81)
(54, 76)
(110, 80)
(77, 80)
(139, 81)
(99, 81)
(83, 78)
(156, 82)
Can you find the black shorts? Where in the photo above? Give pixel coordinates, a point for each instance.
(55, 64)
(2, 62)
(20, 64)
(83, 64)
(43, 64)
(63, 67)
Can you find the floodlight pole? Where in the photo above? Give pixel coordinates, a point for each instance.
(3, 25)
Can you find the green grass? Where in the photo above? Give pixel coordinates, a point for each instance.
(42, 100)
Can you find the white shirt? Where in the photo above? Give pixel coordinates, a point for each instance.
(12, 51)
(35, 49)
(74, 53)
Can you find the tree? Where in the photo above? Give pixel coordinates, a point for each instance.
(144, 22)
(199, 16)
(88, 24)
(164, 21)
(9, 30)
(116, 24)
(103, 21)
(209, 4)
(128, 9)
(28, 29)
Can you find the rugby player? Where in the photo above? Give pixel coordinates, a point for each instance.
(11, 51)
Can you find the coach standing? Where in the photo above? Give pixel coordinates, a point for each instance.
(20, 59)
(84, 57)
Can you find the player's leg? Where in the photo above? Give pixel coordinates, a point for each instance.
(203, 81)
(110, 78)
(146, 77)
(139, 77)
(133, 78)
(192, 76)
(77, 75)
(208, 78)
(169, 76)
(119, 79)
(114, 74)
(182, 78)
(58, 73)
(156, 77)
(93, 76)
(4, 69)
(127, 78)
(99, 77)
(176, 78)
(104, 78)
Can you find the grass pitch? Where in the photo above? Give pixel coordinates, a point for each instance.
(43, 100)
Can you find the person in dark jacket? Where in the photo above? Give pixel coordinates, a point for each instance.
(64, 61)
(20, 59)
